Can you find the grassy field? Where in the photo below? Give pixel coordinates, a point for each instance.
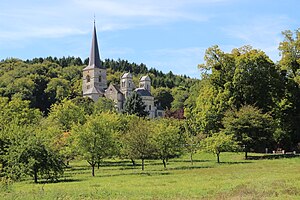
(234, 178)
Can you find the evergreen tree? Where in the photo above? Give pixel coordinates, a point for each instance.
(134, 105)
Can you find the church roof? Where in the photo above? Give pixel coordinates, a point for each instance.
(145, 78)
(93, 90)
(143, 92)
(117, 88)
(127, 75)
(94, 59)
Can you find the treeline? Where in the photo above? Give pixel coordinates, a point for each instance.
(245, 93)
(45, 81)
(41, 147)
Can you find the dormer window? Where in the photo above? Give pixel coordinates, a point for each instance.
(88, 78)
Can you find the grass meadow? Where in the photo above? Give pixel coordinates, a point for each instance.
(234, 178)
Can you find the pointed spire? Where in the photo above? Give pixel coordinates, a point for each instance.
(94, 56)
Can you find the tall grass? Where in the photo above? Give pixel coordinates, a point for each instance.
(234, 178)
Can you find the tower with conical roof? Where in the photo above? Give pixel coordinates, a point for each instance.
(94, 75)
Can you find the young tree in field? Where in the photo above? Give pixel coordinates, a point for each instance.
(167, 140)
(192, 137)
(138, 141)
(219, 142)
(96, 138)
(28, 153)
(250, 127)
(135, 106)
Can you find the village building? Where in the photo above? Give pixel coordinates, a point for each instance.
(95, 84)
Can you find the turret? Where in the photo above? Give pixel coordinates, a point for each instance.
(145, 82)
(126, 84)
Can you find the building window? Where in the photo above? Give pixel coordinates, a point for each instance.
(100, 78)
(88, 78)
(123, 84)
(87, 87)
(149, 107)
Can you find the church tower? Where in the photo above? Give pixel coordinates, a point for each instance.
(126, 85)
(94, 75)
(145, 82)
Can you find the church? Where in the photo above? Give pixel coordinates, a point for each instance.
(95, 84)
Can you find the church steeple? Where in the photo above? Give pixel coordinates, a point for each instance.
(94, 60)
(94, 75)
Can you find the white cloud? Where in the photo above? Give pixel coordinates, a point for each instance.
(58, 18)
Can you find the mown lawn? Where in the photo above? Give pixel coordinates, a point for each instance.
(234, 178)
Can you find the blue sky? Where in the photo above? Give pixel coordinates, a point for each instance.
(164, 34)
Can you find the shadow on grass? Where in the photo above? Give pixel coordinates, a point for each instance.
(189, 167)
(62, 180)
(74, 168)
(272, 156)
(138, 173)
(234, 163)
(189, 161)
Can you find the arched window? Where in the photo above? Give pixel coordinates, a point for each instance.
(100, 78)
(88, 78)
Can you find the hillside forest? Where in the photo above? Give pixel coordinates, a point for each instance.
(244, 101)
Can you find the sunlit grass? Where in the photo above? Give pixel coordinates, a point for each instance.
(234, 178)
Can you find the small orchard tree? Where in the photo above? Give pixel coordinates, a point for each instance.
(134, 105)
(96, 138)
(167, 140)
(28, 153)
(138, 141)
(219, 142)
(192, 137)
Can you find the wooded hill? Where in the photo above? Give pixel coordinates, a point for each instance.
(45, 81)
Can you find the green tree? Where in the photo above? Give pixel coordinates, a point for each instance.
(163, 97)
(96, 139)
(134, 105)
(180, 94)
(138, 141)
(58, 89)
(87, 104)
(288, 108)
(66, 114)
(219, 142)
(192, 137)
(104, 105)
(250, 127)
(28, 153)
(167, 140)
